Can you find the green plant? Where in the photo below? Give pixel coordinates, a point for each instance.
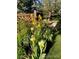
(33, 37)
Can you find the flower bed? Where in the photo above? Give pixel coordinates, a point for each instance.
(34, 38)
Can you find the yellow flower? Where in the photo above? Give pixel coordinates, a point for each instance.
(34, 22)
(33, 19)
(39, 25)
(32, 38)
(32, 28)
(41, 44)
(40, 17)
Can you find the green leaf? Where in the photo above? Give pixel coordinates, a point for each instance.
(42, 56)
(38, 34)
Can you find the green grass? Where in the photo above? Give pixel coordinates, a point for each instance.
(55, 51)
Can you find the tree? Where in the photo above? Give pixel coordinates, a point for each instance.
(25, 5)
(50, 6)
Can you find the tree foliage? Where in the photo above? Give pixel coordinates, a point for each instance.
(25, 5)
